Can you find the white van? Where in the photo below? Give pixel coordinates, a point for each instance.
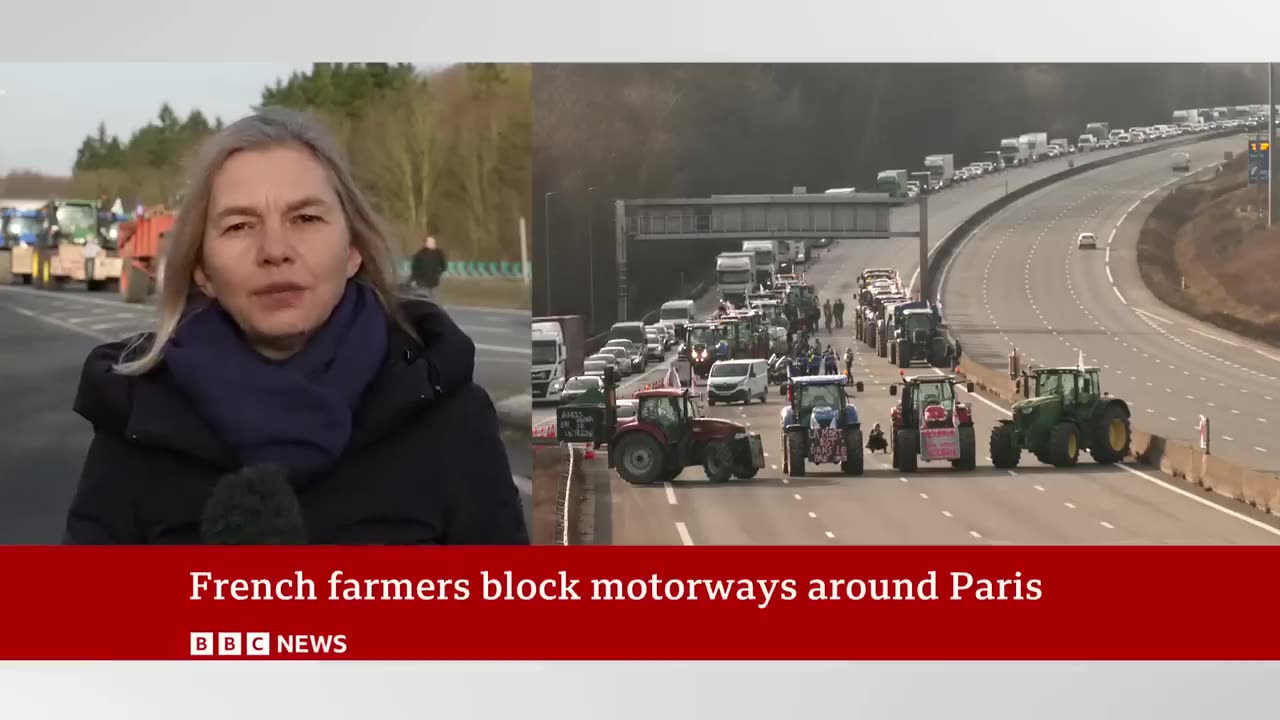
(738, 381)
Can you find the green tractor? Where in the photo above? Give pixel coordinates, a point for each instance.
(1064, 412)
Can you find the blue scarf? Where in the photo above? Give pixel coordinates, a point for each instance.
(295, 412)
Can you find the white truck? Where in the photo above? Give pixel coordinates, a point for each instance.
(942, 170)
(767, 254)
(1037, 144)
(1014, 152)
(549, 355)
(735, 275)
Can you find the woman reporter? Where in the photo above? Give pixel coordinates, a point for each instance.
(280, 342)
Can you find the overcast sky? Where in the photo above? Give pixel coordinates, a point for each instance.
(47, 109)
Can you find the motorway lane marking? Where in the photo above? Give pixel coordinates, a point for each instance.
(1214, 337)
(903, 479)
(975, 534)
(671, 493)
(1196, 498)
(61, 323)
(924, 496)
(1261, 450)
(1040, 488)
(505, 349)
(1073, 507)
(1106, 525)
(946, 513)
(813, 515)
(1011, 472)
(831, 535)
(683, 530)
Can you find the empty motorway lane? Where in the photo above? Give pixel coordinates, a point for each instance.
(1021, 282)
(44, 338)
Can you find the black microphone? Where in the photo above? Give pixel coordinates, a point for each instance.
(255, 506)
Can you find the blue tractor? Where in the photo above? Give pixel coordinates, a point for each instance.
(820, 425)
(19, 226)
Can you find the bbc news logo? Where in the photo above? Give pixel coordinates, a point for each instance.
(259, 644)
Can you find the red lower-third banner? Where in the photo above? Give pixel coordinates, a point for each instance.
(697, 603)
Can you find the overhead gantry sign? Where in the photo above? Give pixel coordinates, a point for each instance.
(800, 216)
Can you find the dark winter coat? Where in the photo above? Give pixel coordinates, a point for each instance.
(425, 463)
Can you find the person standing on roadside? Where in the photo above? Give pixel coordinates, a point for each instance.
(90, 252)
(428, 265)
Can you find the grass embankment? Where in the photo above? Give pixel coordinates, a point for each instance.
(1213, 233)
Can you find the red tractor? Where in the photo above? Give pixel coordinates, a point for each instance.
(930, 424)
(669, 433)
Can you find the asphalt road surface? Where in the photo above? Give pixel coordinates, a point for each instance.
(1021, 282)
(1035, 504)
(44, 338)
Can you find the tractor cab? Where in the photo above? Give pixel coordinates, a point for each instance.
(806, 393)
(1072, 384)
(737, 333)
(670, 410)
(19, 227)
(704, 343)
(921, 393)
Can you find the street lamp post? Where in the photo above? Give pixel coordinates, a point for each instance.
(591, 262)
(546, 243)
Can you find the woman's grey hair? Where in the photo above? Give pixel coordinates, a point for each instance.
(270, 127)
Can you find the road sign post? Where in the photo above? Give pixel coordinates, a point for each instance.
(1259, 161)
(1271, 140)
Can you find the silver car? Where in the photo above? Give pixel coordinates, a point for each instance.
(639, 359)
(625, 366)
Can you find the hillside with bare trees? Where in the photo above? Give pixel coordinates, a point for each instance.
(447, 152)
(632, 131)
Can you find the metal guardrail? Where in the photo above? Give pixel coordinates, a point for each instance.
(496, 269)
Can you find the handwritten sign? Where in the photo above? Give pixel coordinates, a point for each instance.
(940, 444)
(580, 424)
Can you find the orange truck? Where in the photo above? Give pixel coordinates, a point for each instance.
(142, 243)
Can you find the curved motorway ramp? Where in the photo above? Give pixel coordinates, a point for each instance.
(1089, 504)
